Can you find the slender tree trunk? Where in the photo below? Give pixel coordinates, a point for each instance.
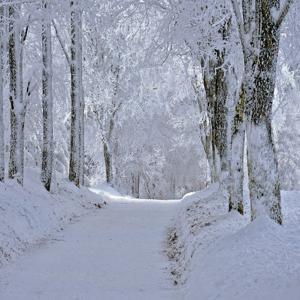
(216, 86)
(82, 102)
(16, 100)
(135, 185)
(205, 124)
(47, 100)
(2, 161)
(216, 92)
(77, 102)
(108, 163)
(237, 155)
(22, 114)
(210, 142)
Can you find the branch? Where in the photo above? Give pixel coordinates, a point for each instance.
(284, 12)
(25, 31)
(29, 91)
(240, 23)
(61, 43)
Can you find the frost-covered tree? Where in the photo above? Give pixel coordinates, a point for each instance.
(259, 24)
(47, 98)
(16, 94)
(2, 35)
(76, 165)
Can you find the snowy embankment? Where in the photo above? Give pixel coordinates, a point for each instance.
(30, 215)
(116, 254)
(220, 255)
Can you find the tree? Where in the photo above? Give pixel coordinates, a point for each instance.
(77, 101)
(2, 162)
(259, 31)
(47, 99)
(16, 95)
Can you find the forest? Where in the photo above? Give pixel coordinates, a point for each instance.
(149, 149)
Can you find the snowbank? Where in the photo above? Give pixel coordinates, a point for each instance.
(30, 215)
(203, 219)
(220, 255)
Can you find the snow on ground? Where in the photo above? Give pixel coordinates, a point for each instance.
(121, 252)
(114, 254)
(30, 215)
(219, 255)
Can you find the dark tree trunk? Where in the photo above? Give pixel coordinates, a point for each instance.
(2, 161)
(47, 101)
(77, 102)
(108, 163)
(16, 102)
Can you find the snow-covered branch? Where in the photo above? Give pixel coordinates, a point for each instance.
(284, 11)
(59, 38)
(240, 23)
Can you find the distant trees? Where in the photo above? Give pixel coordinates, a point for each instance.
(226, 50)
(255, 29)
(13, 33)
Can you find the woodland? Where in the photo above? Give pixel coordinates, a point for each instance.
(180, 117)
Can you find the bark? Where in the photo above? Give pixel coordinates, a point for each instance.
(47, 100)
(76, 164)
(135, 188)
(16, 159)
(216, 92)
(108, 138)
(237, 155)
(264, 181)
(2, 161)
(216, 87)
(260, 48)
(108, 163)
(205, 124)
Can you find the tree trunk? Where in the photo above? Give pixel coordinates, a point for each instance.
(216, 88)
(108, 163)
(47, 100)
(205, 122)
(264, 181)
(237, 155)
(77, 102)
(15, 97)
(2, 161)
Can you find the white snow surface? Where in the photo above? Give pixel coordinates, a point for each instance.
(223, 256)
(121, 251)
(116, 253)
(29, 215)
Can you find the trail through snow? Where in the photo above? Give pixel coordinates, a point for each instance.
(114, 254)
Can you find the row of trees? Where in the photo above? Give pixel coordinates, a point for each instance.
(217, 58)
(13, 37)
(239, 96)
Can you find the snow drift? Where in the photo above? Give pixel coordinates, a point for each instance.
(29, 215)
(220, 255)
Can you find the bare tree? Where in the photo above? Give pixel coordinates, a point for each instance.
(47, 99)
(77, 101)
(15, 97)
(2, 162)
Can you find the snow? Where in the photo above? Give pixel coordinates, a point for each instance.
(226, 257)
(116, 253)
(30, 215)
(143, 249)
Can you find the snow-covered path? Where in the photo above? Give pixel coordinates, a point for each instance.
(115, 254)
